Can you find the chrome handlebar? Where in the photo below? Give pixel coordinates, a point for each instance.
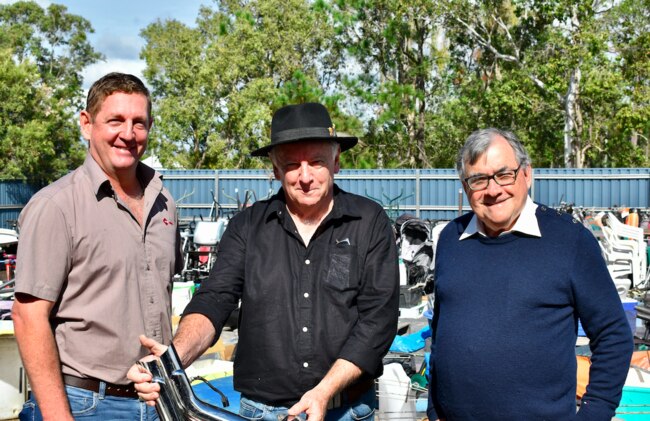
(177, 401)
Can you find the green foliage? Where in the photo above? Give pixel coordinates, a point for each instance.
(42, 53)
(216, 85)
(516, 62)
(400, 77)
(410, 78)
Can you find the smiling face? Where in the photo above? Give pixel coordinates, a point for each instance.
(306, 171)
(498, 207)
(118, 133)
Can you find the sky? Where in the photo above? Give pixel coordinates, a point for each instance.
(117, 25)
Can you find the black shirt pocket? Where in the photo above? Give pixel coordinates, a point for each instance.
(343, 267)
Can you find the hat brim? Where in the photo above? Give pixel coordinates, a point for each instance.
(346, 142)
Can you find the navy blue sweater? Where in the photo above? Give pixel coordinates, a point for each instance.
(505, 325)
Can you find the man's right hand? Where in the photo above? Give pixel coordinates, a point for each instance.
(141, 378)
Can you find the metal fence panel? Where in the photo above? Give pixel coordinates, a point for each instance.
(426, 193)
(13, 196)
(594, 187)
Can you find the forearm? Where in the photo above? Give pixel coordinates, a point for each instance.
(314, 402)
(194, 336)
(340, 375)
(40, 358)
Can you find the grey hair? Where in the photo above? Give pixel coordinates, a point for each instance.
(479, 141)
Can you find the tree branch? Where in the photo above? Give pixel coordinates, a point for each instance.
(485, 43)
(503, 26)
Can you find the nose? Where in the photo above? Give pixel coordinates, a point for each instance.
(492, 188)
(127, 130)
(305, 172)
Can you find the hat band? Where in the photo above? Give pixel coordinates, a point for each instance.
(302, 133)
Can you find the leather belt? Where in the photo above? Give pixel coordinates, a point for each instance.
(119, 390)
(351, 393)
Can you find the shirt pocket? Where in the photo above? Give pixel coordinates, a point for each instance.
(342, 269)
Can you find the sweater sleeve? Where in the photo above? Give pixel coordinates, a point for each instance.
(603, 319)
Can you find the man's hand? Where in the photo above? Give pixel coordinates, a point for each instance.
(313, 403)
(141, 378)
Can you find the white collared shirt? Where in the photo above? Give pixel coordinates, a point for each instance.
(526, 223)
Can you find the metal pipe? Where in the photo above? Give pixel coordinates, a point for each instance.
(177, 401)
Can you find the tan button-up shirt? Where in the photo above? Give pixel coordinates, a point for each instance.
(110, 278)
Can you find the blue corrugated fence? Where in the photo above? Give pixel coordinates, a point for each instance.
(427, 193)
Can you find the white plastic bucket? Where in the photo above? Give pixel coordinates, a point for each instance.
(396, 398)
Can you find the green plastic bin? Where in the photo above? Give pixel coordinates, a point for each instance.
(635, 404)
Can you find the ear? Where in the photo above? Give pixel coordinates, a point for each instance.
(337, 162)
(85, 123)
(276, 172)
(528, 175)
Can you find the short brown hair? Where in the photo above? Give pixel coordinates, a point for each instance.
(111, 83)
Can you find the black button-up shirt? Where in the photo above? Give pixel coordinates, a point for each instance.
(302, 308)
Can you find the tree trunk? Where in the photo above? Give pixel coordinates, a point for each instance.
(570, 150)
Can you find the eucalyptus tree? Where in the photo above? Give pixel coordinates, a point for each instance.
(629, 26)
(398, 74)
(548, 58)
(217, 84)
(42, 54)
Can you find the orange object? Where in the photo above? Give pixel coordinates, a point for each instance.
(632, 219)
(584, 363)
(639, 359)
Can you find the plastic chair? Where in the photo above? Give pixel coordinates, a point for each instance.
(628, 237)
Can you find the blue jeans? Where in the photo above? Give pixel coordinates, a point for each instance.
(361, 409)
(88, 405)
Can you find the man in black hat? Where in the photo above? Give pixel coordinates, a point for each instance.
(316, 271)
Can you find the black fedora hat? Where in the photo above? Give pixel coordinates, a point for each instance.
(295, 123)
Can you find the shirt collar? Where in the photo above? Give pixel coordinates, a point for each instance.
(525, 224)
(149, 177)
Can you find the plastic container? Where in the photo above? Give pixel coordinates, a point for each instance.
(635, 404)
(13, 382)
(396, 398)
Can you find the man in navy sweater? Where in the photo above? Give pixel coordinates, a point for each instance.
(512, 279)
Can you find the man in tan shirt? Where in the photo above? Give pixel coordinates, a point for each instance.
(97, 253)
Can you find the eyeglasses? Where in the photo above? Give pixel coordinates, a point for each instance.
(503, 178)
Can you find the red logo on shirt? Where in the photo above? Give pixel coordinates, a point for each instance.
(167, 221)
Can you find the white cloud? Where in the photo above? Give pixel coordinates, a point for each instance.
(119, 46)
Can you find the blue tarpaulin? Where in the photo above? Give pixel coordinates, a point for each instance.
(412, 342)
(224, 384)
